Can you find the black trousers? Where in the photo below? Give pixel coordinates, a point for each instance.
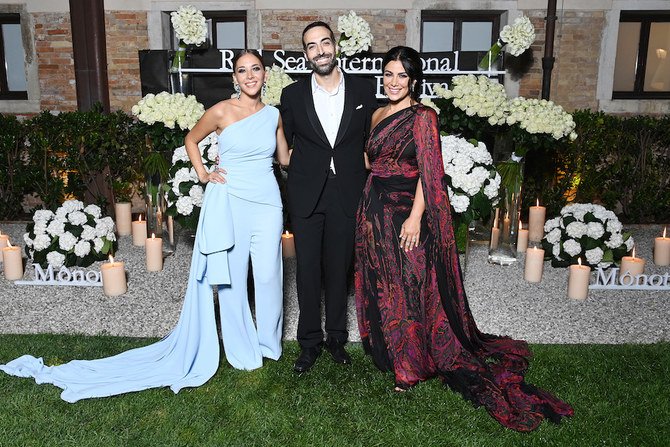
(323, 240)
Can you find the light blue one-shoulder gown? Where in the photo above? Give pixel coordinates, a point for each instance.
(239, 219)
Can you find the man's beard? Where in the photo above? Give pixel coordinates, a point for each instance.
(323, 70)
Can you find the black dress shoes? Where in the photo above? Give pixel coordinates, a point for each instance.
(338, 353)
(306, 359)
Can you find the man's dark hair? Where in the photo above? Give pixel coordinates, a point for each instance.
(314, 25)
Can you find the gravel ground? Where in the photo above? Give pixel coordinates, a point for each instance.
(501, 301)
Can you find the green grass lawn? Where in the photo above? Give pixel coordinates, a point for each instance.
(620, 395)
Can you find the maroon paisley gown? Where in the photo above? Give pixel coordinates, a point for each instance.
(413, 314)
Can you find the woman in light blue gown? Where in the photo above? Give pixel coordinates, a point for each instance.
(241, 218)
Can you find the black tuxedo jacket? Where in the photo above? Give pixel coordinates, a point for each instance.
(310, 160)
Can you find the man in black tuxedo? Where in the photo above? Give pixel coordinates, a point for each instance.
(326, 119)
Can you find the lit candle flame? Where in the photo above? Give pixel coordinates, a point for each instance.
(633, 252)
(140, 218)
(664, 228)
(111, 259)
(579, 261)
(153, 235)
(520, 225)
(9, 244)
(538, 202)
(286, 232)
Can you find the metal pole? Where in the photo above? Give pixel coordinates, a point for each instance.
(548, 59)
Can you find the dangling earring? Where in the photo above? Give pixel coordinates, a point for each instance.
(236, 86)
(264, 89)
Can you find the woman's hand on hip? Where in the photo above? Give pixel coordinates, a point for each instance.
(216, 176)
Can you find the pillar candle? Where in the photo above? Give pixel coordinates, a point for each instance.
(287, 245)
(536, 217)
(578, 281)
(522, 239)
(139, 232)
(4, 239)
(12, 264)
(113, 277)
(534, 265)
(154, 250)
(661, 250)
(495, 237)
(632, 265)
(123, 219)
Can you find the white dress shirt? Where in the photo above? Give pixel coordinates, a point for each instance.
(329, 108)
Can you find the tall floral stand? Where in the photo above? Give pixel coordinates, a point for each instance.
(158, 223)
(505, 227)
(179, 81)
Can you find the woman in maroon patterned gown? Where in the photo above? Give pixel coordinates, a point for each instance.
(413, 314)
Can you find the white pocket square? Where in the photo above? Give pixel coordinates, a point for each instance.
(360, 106)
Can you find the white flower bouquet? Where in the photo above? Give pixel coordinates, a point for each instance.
(170, 109)
(190, 27)
(518, 37)
(355, 34)
(541, 116)
(275, 83)
(587, 231)
(477, 95)
(185, 193)
(72, 236)
(472, 182)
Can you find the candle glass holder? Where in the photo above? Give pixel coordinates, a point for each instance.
(505, 226)
(157, 218)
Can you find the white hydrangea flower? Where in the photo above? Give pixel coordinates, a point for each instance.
(594, 256)
(615, 240)
(93, 210)
(556, 251)
(55, 259)
(630, 243)
(82, 248)
(56, 227)
(42, 242)
(576, 229)
(27, 239)
(196, 193)
(551, 224)
(595, 230)
(67, 241)
(460, 203)
(185, 205)
(98, 244)
(572, 247)
(553, 236)
(77, 218)
(42, 216)
(88, 233)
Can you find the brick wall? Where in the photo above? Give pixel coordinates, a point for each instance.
(282, 29)
(53, 45)
(126, 33)
(576, 44)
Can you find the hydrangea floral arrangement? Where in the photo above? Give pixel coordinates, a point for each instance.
(355, 34)
(275, 83)
(72, 236)
(517, 37)
(185, 193)
(587, 231)
(190, 27)
(472, 181)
